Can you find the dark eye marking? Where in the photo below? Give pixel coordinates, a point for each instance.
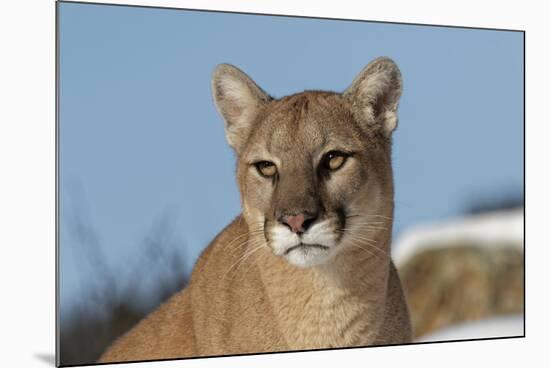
(334, 160)
(267, 169)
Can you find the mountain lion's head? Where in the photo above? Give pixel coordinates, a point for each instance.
(314, 168)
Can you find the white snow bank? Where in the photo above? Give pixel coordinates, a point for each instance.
(511, 325)
(491, 229)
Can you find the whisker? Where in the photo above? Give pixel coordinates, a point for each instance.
(241, 247)
(244, 257)
(351, 229)
(245, 234)
(242, 244)
(379, 256)
(368, 226)
(370, 222)
(365, 241)
(256, 223)
(386, 217)
(355, 235)
(247, 255)
(246, 248)
(368, 215)
(362, 238)
(258, 256)
(372, 244)
(365, 250)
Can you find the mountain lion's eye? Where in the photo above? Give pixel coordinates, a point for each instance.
(266, 168)
(335, 160)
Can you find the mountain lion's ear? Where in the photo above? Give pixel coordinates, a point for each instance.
(375, 94)
(238, 100)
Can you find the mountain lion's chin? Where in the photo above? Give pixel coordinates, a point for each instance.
(308, 255)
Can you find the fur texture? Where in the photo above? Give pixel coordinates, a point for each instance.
(320, 161)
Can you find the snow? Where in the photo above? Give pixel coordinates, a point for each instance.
(504, 326)
(487, 230)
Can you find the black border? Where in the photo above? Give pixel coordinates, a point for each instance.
(298, 351)
(524, 223)
(57, 358)
(57, 154)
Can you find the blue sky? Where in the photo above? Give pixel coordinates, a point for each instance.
(140, 139)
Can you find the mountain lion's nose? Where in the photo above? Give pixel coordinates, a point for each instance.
(298, 223)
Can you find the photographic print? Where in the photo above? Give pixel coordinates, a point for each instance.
(233, 183)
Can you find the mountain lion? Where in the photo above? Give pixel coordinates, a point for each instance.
(307, 264)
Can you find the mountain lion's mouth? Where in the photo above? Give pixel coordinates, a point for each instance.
(306, 246)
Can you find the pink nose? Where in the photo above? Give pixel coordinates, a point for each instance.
(295, 222)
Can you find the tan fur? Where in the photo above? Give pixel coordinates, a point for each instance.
(252, 290)
(462, 281)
